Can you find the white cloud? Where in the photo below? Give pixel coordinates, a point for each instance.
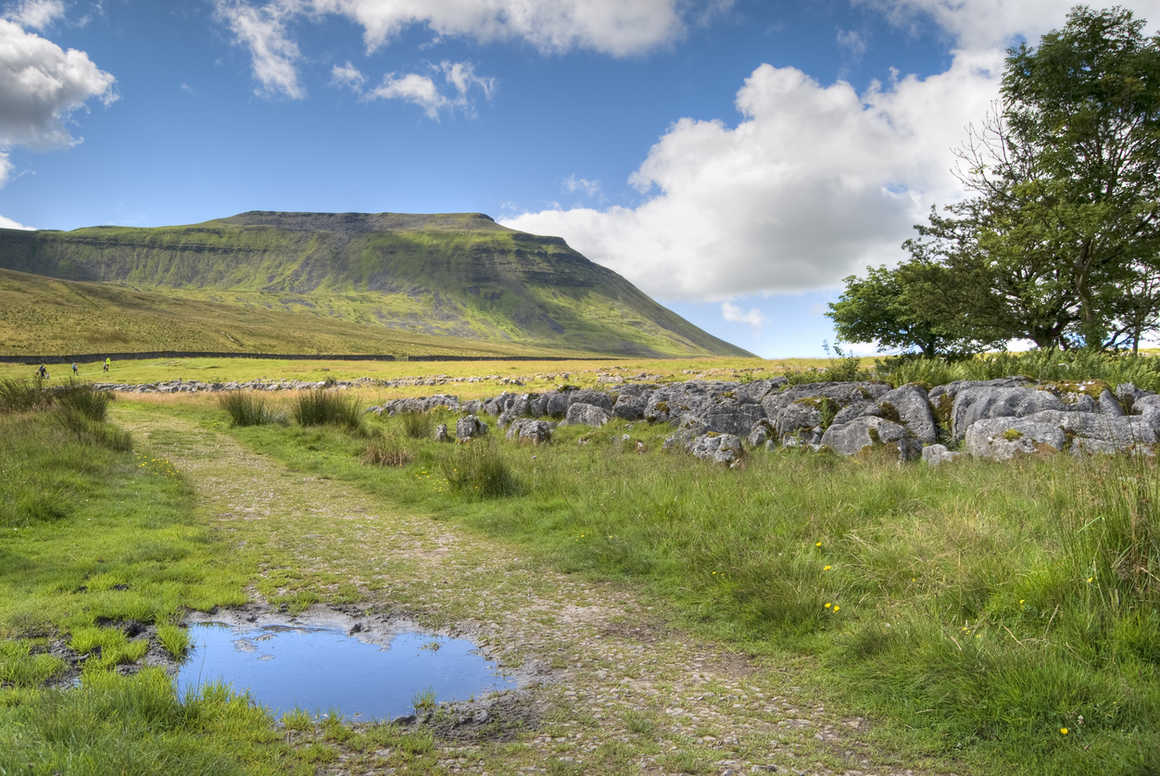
(347, 75)
(813, 184)
(979, 24)
(36, 14)
(735, 314)
(589, 187)
(263, 31)
(8, 223)
(606, 26)
(611, 27)
(853, 41)
(40, 85)
(422, 90)
(5, 168)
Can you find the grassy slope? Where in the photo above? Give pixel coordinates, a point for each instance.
(46, 316)
(458, 275)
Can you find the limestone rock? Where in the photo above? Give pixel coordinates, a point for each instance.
(936, 455)
(469, 427)
(870, 432)
(719, 448)
(530, 430)
(983, 402)
(580, 413)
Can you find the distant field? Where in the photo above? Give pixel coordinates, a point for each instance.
(580, 372)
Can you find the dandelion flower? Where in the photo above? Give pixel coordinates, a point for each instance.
(828, 604)
(836, 607)
(826, 568)
(817, 544)
(1063, 731)
(1090, 580)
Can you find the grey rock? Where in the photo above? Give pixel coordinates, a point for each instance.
(599, 399)
(801, 419)
(630, 407)
(441, 434)
(935, 455)
(1127, 393)
(842, 394)
(556, 403)
(754, 392)
(1053, 430)
(760, 433)
(469, 427)
(728, 416)
(982, 402)
(870, 432)
(584, 414)
(1108, 404)
(530, 430)
(719, 448)
(851, 411)
(909, 405)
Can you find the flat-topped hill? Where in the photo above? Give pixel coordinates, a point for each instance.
(457, 275)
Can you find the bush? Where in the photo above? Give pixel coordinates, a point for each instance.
(386, 451)
(324, 408)
(477, 470)
(246, 409)
(90, 431)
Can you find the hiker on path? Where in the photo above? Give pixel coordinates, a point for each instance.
(107, 362)
(75, 369)
(42, 372)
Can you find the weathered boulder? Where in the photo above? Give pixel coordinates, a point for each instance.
(983, 402)
(584, 414)
(1054, 430)
(599, 399)
(728, 416)
(851, 411)
(1108, 404)
(441, 434)
(469, 427)
(719, 448)
(841, 394)
(761, 432)
(630, 407)
(909, 406)
(936, 455)
(753, 392)
(870, 432)
(801, 419)
(555, 403)
(530, 430)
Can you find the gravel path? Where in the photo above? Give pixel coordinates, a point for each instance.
(616, 688)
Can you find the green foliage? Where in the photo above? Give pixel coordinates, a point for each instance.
(322, 408)
(1082, 369)
(22, 395)
(174, 638)
(1059, 241)
(478, 470)
(247, 409)
(83, 399)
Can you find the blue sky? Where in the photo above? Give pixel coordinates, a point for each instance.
(734, 159)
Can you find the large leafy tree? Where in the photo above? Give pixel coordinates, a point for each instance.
(1058, 240)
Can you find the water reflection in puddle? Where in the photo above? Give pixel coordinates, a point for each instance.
(320, 669)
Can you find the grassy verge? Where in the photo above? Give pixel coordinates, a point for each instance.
(94, 539)
(1001, 614)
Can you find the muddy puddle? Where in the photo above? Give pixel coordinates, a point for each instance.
(327, 662)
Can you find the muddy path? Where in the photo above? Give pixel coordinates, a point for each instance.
(616, 687)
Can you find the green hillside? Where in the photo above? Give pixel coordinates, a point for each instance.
(343, 282)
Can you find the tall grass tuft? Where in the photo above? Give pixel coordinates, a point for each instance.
(386, 451)
(1042, 365)
(323, 408)
(247, 409)
(417, 425)
(90, 431)
(22, 395)
(84, 399)
(478, 470)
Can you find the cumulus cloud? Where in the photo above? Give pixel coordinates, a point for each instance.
(979, 24)
(735, 314)
(36, 14)
(611, 27)
(422, 90)
(41, 85)
(8, 223)
(574, 184)
(606, 26)
(813, 184)
(263, 31)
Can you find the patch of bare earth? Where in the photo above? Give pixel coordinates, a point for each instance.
(617, 688)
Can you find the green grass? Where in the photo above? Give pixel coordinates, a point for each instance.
(247, 409)
(327, 408)
(978, 608)
(95, 536)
